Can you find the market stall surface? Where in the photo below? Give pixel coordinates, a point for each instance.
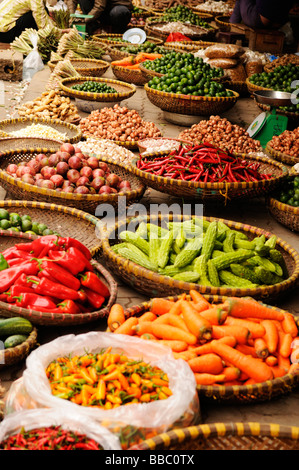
(283, 410)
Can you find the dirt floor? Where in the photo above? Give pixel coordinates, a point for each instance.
(282, 410)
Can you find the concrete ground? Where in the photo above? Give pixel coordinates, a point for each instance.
(283, 410)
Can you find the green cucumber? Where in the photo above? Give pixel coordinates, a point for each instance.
(15, 326)
(14, 340)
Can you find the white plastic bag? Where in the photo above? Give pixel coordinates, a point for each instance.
(33, 62)
(38, 418)
(183, 404)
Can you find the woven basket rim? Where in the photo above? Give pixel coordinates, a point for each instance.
(281, 155)
(71, 127)
(212, 13)
(253, 86)
(62, 195)
(213, 186)
(131, 89)
(265, 291)
(177, 96)
(219, 429)
(282, 206)
(17, 353)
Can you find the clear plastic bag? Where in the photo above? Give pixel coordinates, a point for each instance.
(33, 62)
(181, 408)
(38, 418)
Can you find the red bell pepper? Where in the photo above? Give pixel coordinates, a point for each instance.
(72, 242)
(54, 289)
(177, 37)
(93, 282)
(42, 244)
(94, 299)
(26, 281)
(15, 253)
(60, 274)
(45, 273)
(10, 275)
(16, 291)
(34, 301)
(68, 260)
(69, 306)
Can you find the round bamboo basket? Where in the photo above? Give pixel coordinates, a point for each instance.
(86, 67)
(148, 74)
(123, 90)
(241, 394)
(61, 219)
(281, 156)
(214, 191)
(72, 132)
(197, 34)
(11, 356)
(127, 75)
(153, 284)
(284, 213)
(252, 88)
(10, 238)
(225, 436)
(190, 104)
(86, 202)
(189, 46)
(116, 54)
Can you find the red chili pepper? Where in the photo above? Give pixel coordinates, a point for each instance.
(34, 301)
(54, 289)
(60, 274)
(10, 275)
(93, 282)
(94, 299)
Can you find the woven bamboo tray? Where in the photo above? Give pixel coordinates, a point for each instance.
(153, 284)
(16, 354)
(123, 90)
(9, 238)
(86, 202)
(281, 156)
(64, 220)
(86, 67)
(196, 35)
(71, 131)
(226, 436)
(284, 213)
(252, 88)
(190, 104)
(116, 54)
(133, 76)
(189, 46)
(214, 191)
(241, 394)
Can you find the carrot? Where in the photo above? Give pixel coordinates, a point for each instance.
(256, 329)
(185, 355)
(283, 362)
(200, 303)
(215, 315)
(176, 309)
(125, 61)
(116, 317)
(147, 316)
(172, 332)
(261, 348)
(271, 335)
(143, 328)
(278, 371)
(271, 361)
(207, 348)
(252, 366)
(126, 328)
(285, 344)
(197, 325)
(239, 332)
(177, 346)
(244, 307)
(289, 325)
(208, 379)
(250, 381)
(210, 363)
(231, 373)
(174, 320)
(148, 336)
(160, 306)
(246, 349)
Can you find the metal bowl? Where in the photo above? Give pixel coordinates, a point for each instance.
(273, 98)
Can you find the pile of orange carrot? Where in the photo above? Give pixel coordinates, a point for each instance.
(237, 342)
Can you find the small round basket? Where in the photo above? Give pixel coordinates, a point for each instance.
(115, 52)
(69, 132)
(11, 356)
(225, 436)
(240, 394)
(61, 219)
(284, 213)
(152, 284)
(123, 90)
(281, 156)
(10, 238)
(190, 104)
(86, 202)
(214, 191)
(86, 67)
(148, 74)
(252, 88)
(127, 75)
